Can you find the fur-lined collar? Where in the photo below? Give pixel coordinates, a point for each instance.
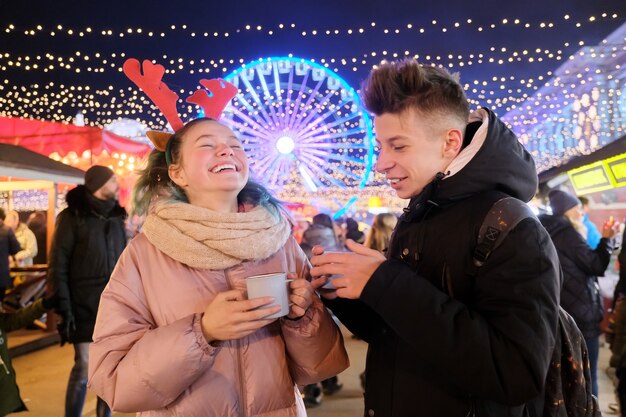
(78, 201)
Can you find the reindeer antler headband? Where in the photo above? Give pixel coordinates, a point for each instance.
(213, 101)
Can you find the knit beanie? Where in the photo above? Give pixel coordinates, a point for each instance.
(561, 201)
(96, 177)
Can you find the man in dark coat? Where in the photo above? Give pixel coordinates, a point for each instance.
(88, 239)
(580, 294)
(9, 246)
(445, 340)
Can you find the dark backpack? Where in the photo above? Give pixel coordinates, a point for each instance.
(568, 382)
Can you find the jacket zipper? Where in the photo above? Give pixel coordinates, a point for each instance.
(4, 365)
(242, 388)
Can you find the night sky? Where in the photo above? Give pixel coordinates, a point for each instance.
(231, 17)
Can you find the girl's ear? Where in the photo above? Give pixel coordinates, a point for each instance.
(177, 175)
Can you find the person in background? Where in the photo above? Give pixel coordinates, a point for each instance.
(353, 232)
(300, 225)
(441, 342)
(176, 334)
(9, 246)
(380, 233)
(37, 222)
(593, 235)
(25, 236)
(320, 234)
(616, 334)
(10, 400)
(581, 265)
(89, 237)
(323, 219)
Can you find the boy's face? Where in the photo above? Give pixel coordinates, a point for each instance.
(413, 149)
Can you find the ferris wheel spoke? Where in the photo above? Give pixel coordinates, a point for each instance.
(335, 156)
(335, 145)
(320, 172)
(314, 140)
(273, 170)
(321, 118)
(256, 154)
(265, 165)
(257, 99)
(310, 179)
(242, 99)
(277, 82)
(296, 107)
(267, 95)
(304, 124)
(247, 133)
(331, 179)
(328, 126)
(259, 131)
(299, 122)
(325, 162)
(319, 164)
(251, 140)
(258, 120)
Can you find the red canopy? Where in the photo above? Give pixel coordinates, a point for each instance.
(49, 137)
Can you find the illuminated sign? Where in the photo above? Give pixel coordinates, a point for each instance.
(599, 176)
(617, 168)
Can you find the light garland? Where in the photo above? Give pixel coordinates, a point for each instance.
(259, 30)
(92, 83)
(95, 63)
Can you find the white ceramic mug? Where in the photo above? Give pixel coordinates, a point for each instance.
(270, 285)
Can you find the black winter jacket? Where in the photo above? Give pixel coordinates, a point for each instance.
(89, 237)
(444, 343)
(580, 294)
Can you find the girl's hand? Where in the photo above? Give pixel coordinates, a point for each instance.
(230, 316)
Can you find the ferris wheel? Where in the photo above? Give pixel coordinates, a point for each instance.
(302, 126)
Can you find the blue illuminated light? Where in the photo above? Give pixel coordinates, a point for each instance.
(302, 126)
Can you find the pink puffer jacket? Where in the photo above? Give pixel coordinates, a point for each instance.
(149, 355)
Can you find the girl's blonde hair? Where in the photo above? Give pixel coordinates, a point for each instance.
(380, 233)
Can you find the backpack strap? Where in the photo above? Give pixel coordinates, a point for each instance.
(501, 218)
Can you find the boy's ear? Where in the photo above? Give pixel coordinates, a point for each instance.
(453, 143)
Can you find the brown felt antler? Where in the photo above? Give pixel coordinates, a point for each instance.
(151, 84)
(220, 92)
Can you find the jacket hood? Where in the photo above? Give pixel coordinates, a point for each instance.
(493, 160)
(78, 201)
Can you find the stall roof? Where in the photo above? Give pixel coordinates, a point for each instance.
(22, 163)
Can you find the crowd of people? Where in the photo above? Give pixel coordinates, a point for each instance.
(161, 324)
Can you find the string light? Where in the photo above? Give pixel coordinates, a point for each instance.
(553, 99)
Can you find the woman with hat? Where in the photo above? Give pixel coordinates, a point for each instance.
(580, 292)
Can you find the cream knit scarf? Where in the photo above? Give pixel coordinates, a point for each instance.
(205, 239)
